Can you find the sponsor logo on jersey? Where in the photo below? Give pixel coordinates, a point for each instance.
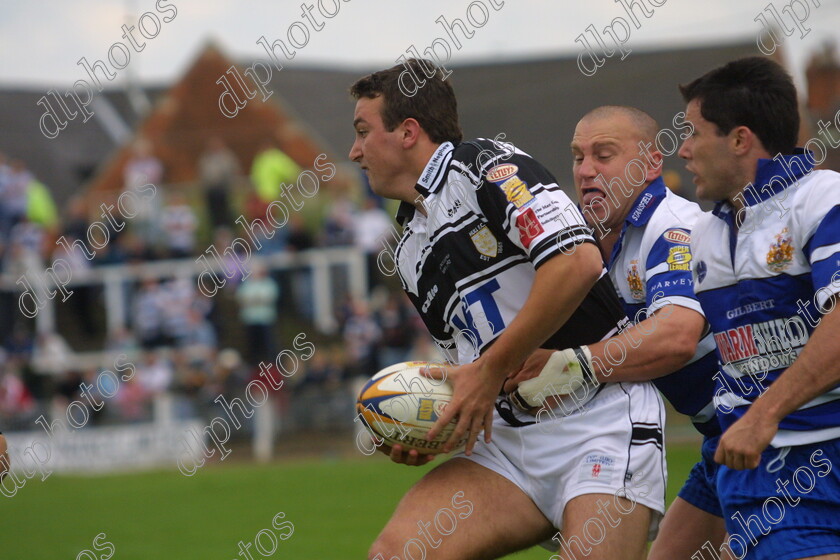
(669, 283)
(781, 252)
(764, 346)
(502, 172)
(679, 258)
(640, 207)
(429, 297)
(516, 192)
(750, 307)
(484, 241)
(433, 165)
(677, 236)
(426, 410)
(456, 204)
(529, 227)
(634, 281)
(445, 263)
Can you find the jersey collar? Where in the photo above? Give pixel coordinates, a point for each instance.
(772, 177)
(643, 208)
(434, 174)
(431, 179)
(646, 203)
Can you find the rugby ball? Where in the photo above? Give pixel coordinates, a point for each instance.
(400, 405)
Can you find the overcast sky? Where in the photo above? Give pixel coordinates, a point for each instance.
(41, 41)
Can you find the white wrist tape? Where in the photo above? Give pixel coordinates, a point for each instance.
(565, 372)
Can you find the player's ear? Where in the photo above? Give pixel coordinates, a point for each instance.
(653, 169)
(411, 131)
(742, 140)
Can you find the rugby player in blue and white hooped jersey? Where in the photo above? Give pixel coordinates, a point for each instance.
(644, 231)
(766, 270)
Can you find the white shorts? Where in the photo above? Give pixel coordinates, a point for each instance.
(611, 445)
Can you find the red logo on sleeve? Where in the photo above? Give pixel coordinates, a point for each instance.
(529, 227)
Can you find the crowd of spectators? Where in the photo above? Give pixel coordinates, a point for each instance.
(28, 215)
(180, 340)
(179, 221)
(175, 352)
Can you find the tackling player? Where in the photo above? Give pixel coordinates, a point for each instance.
(488, 236)
(617, 172)
(766, 267)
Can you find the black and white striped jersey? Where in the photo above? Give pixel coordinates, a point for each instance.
(493, 216)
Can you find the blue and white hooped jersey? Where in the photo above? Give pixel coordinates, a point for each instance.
(650, 267)
(765, 286)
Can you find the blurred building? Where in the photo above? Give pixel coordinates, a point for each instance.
(533, 103)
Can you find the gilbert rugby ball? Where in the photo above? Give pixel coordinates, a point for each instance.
(400, 405)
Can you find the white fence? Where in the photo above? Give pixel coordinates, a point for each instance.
(114, 277)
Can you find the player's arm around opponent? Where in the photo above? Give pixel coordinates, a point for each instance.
(604, 145)
(665, 341)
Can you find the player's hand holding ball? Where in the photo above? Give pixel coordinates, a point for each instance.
(410, 457)
(400, 405)
(475, 388)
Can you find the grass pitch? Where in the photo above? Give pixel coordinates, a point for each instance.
(336, 506)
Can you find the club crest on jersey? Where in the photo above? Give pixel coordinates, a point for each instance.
(516, 192)
(485, 242)
(781, 252)
(679, 258)
(634, 281)
(501, 172)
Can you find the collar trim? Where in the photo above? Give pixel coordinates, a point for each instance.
(431, 179)
(647, 201)
(772, 176)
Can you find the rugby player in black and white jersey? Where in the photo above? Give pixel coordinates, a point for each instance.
(499, 262)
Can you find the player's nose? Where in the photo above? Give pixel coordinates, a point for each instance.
(585, 168)
(685, 151)
(355, 152)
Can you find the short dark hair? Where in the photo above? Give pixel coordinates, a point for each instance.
(755, 92)
(433, 103)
